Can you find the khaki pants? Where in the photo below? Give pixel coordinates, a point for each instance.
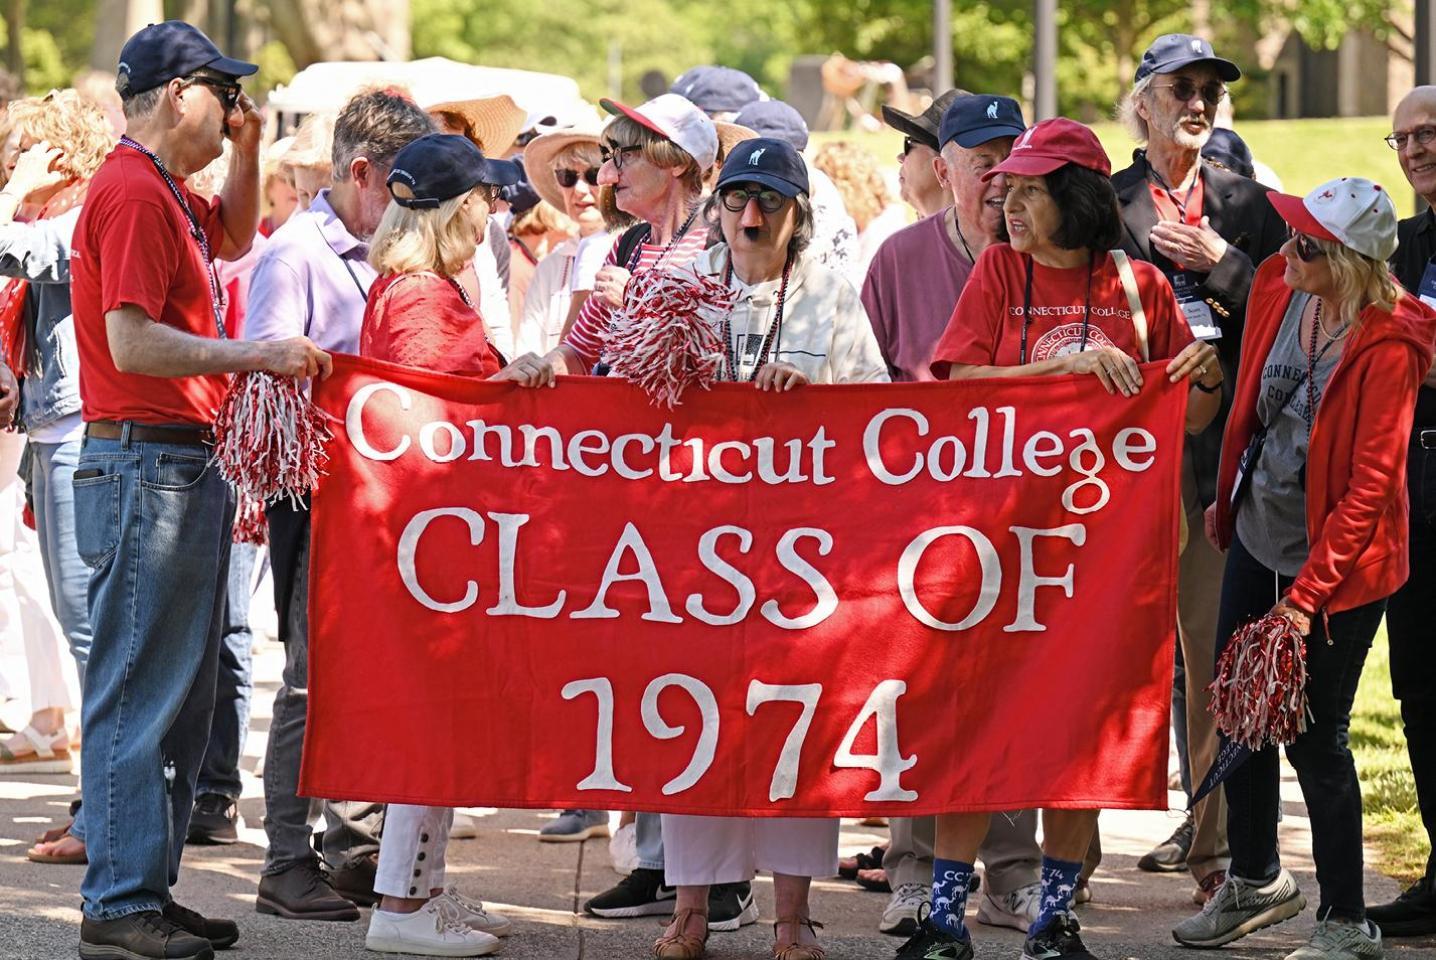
(1010, 855)
(1199, 588)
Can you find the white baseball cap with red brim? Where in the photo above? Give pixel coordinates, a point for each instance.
(1351, 211)
(676, 119)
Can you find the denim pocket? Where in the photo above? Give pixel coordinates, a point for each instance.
(97, 518)
(177, 471)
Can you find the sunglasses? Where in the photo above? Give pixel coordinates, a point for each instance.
(736, 199)
(1307, 249)
(1184, 90)
(227, 92)
(615, 156)
(908, 143)
(1422, 135)
(568, 177)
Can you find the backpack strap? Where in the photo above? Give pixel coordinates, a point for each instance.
(1134, 300)
(630, 241)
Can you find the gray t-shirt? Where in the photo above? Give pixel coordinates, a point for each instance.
(1271, 521)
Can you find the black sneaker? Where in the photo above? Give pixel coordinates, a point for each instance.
(1413, 914)
(301, 891)
(640, 894)
(222, 934)
(730, 906)
(147, 935)
(932, 943)
(215, 820)
(1170, 856)
(1058, 939)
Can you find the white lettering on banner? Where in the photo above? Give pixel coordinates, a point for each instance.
(354, 420)
(881, 707)
(707, 745)
(988, 562)
(647, 573)
(603, 777)
(508, 604)
(827, 597)
(1132, 440)
(1028, 581)
(741, 582)
(409, 547)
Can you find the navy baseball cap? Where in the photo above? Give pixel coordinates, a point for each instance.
(976, 118)
(775, 119)
(162, 51)
(440, 166)
(767, 161)
(1173, 51)
(717, 89)
(1231, 151)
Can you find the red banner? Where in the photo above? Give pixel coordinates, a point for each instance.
(863, 599)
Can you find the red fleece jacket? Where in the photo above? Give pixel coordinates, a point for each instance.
(1356, 506)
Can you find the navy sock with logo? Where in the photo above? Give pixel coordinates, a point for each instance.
(1059, 883)
(950, 879)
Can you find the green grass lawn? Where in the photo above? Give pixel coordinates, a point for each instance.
(1392, 821)
(1303, 153)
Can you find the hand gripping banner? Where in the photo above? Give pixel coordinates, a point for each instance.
(866, 599)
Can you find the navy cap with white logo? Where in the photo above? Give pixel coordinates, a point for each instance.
(714, 89)
(767, 162)
(1173, 51)
(976, 118)
(162, 51)
(440, 166)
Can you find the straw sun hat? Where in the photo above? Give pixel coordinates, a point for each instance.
(494, 123)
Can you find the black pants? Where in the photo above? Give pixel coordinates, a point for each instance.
(1320, 755)
(1409, 618)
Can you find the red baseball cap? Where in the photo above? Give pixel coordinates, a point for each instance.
(1046, 146)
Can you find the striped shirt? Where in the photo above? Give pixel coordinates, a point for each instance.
(590, 329)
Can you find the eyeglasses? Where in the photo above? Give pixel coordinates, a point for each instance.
(736, 199)
(568, 177)
(615, 155)
(227, 92)
(1422, 135)
(1184, 89)
(1307, 249)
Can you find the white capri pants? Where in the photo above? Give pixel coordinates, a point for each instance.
(701, 851)
(411, 850)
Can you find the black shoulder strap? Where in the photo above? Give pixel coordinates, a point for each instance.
(630, 241)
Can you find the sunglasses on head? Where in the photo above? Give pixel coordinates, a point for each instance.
(1307, 249)
(568, 177)
(227, 91)
(1183, 90)
(736, 199)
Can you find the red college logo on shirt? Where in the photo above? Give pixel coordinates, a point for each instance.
(1064, 340)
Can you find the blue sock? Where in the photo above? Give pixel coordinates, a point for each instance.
(1059, 882)
(949, 895)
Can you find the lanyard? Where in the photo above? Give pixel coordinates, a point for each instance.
(637, 253)
(1027, 310)
(363, 291)
(775, 328)
(215, 302)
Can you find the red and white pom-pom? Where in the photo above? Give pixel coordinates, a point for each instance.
(1259, 694)
(250, 524)
(269, 438)
(665, 338)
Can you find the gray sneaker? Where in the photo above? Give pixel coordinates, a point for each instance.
(573, 826)
(1339, 940)
(1238, 908)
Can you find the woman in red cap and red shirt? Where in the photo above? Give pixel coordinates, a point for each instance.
(1311, 507)
(1055, 300)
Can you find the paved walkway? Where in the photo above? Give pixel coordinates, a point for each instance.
(542, 886)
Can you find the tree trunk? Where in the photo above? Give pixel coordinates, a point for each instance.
(15, 49)
(115, 22)
(318, 30)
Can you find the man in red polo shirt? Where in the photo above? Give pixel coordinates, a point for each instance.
(152, 517)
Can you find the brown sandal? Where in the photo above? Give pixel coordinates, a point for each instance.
(798, 951)
(58, 845)
(682, 945)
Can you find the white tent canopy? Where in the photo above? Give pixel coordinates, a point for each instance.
(324, 87)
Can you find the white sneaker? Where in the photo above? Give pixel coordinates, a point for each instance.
(1018, 909)
(476, 915)
(1338, 940)
(900, 917)
(434, 930)
(463, 827)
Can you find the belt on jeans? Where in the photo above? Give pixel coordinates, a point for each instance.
(145, 433)
(1425, 439)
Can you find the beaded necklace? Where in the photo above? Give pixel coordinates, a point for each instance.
(775, 328)
(215, 301)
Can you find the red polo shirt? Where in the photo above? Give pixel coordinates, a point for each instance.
(133, 246)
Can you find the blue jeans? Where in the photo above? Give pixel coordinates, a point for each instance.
(152, 521)
(219, 773)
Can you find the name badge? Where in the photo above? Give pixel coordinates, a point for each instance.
(1197, 311)
(1427, 290)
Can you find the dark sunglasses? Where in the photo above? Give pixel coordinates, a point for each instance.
(227, 92)
(908, 143)
(616, 155)
(1184, 90)
(1422, 135)
(568, 177)
(736, 199)
(1307, 249)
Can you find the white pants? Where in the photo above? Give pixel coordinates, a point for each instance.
(411, 851)
(25, 594)
(700, 851)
